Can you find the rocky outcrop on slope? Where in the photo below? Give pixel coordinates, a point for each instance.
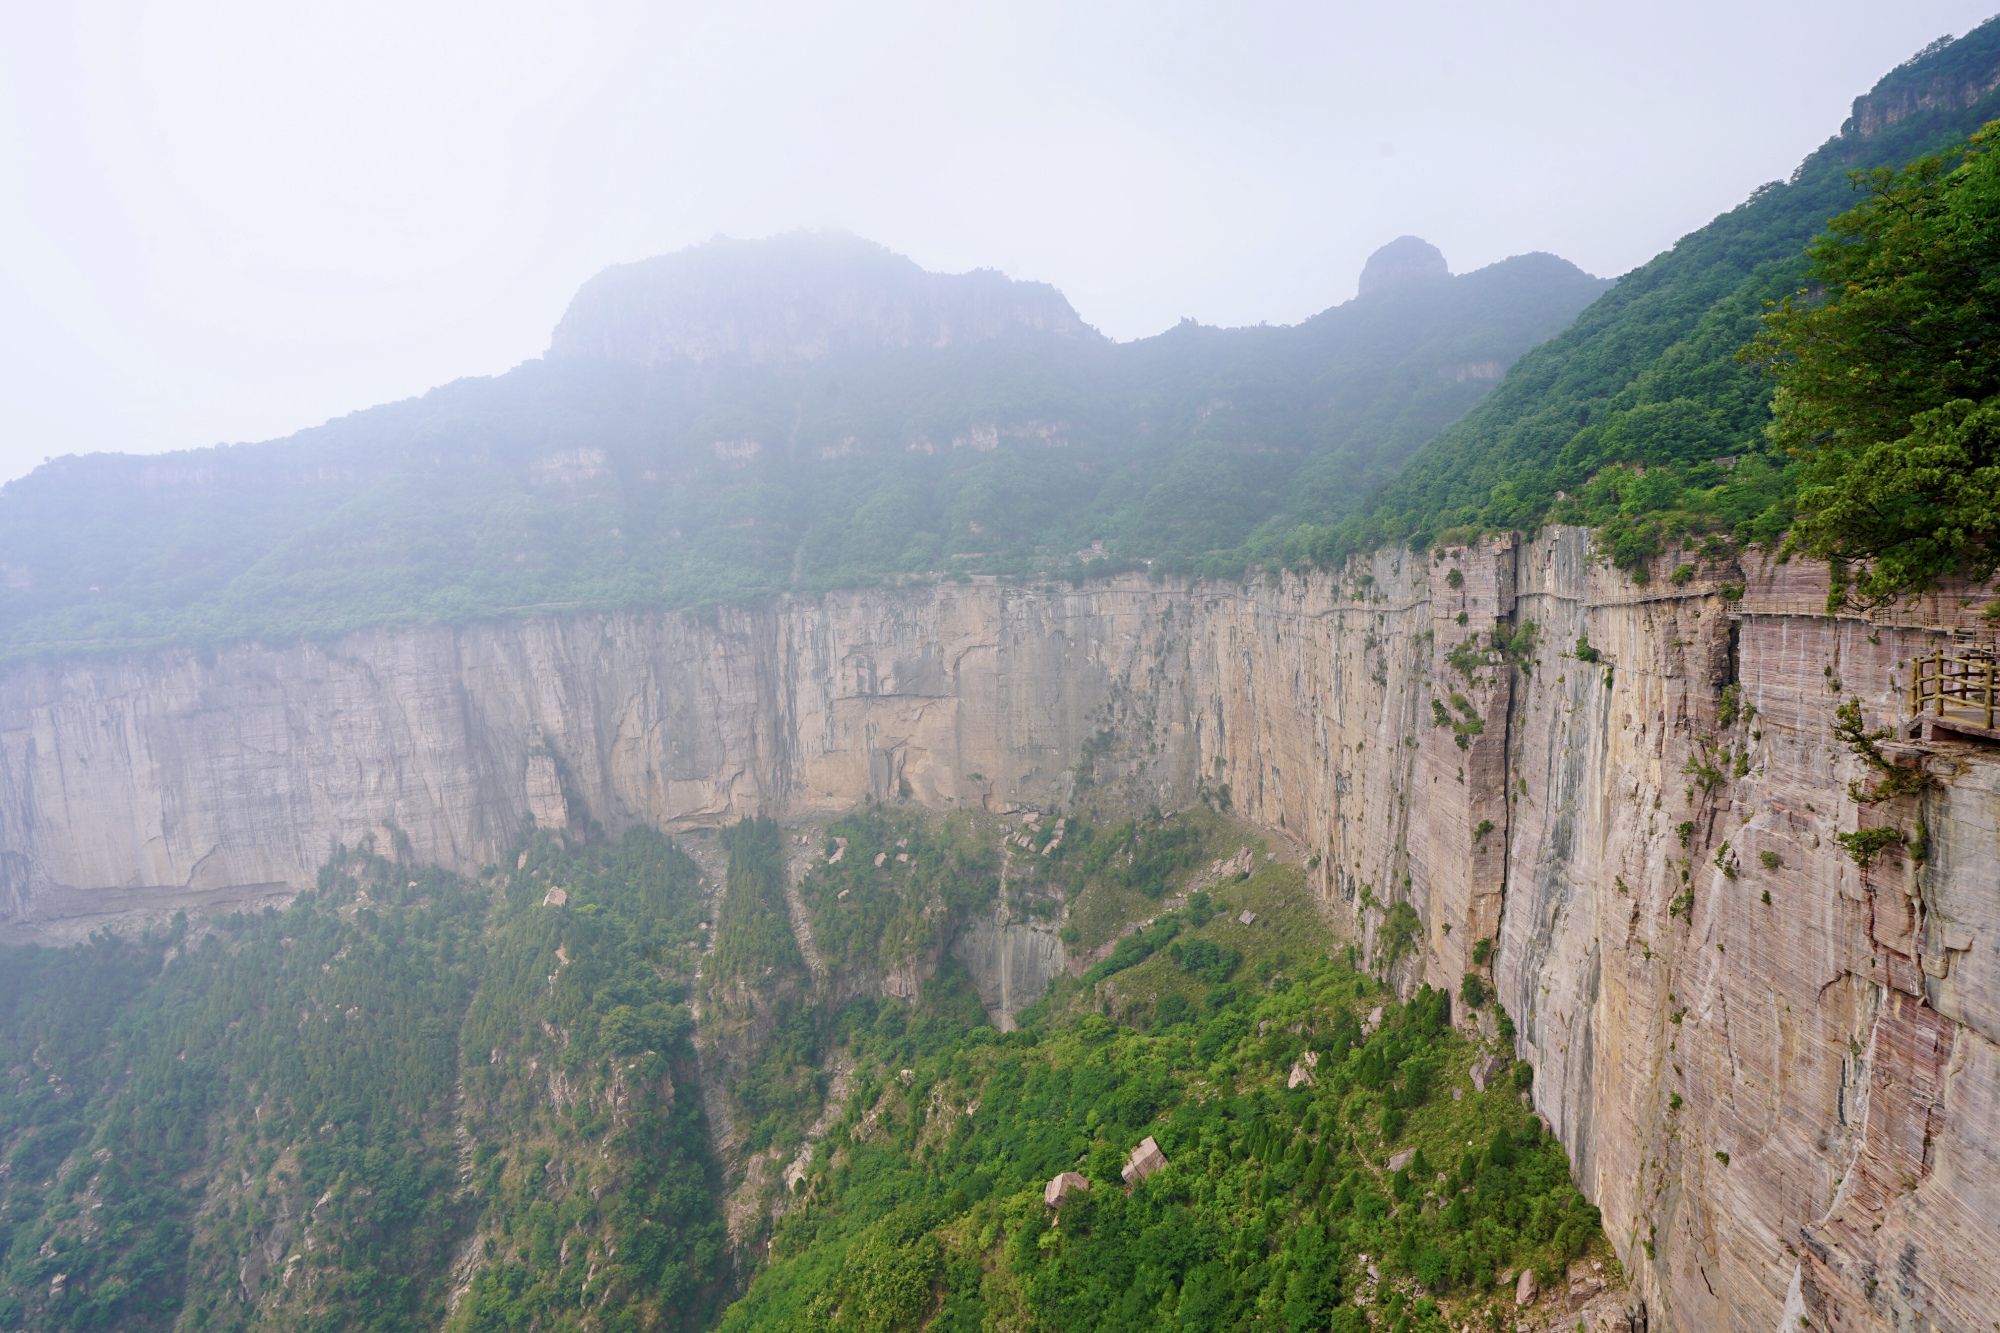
(800, 297)
(1915, 87)
(1402, 261)
(1776, 1071)
(1011, 962)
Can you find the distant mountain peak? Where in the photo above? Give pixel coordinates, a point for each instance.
(1404, 260)
(801, 296)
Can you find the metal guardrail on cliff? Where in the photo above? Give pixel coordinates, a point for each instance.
(1958, 690)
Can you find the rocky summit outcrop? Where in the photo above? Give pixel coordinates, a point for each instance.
(1920, 84)
(1405, 260)
(1776, 1070)
(799, 297)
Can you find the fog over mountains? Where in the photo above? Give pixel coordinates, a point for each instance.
(748, 417)
(840, 797)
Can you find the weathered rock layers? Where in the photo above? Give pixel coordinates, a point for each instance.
(1777, 1072)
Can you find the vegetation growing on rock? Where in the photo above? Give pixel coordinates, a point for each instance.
(1639, 419)
(1888, 375)
(412, 1099)
(1274, 1207)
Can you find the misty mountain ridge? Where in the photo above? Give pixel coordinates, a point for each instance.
(750, 417)
(1638, 419)
(800, 296)
(809, 295)
(746, 866)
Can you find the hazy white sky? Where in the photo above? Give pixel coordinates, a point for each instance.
(228, 219)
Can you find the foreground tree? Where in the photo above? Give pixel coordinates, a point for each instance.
(1888, 373)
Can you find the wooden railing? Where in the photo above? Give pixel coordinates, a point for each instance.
(1960, 687)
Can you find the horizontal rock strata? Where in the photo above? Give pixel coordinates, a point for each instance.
(1775, 1070)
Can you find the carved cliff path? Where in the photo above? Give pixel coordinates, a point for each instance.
(1955, 691)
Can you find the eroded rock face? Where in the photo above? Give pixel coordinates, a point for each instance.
(1783, 1107)
(1011, 962)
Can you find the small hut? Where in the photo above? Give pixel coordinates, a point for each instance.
(1060, 1188)
(1145, 1160)
(556, 898)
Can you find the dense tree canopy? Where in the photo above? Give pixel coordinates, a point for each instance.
(1888, 372)
(415, 1100)
(1640, 419)
(302, 1118)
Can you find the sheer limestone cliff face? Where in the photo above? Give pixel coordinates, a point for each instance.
(1783, 1107)
(1011, 962)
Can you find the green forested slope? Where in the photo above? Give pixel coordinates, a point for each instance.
(926, 1206)
(1640, 417)
(416, 1101)
(578, 482)
(920, 1201)
(589, 1160)
(255, 1060)
(314, 1118)
(573, 482)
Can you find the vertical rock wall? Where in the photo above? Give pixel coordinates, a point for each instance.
(1784, 1107)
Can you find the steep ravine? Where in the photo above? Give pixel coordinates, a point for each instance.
(1784, 1108)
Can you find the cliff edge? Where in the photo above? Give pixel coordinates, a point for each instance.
(1775, 1069)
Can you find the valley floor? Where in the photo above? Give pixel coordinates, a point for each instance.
(766, 1082)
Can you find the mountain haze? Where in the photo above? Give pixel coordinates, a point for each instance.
(1646, 380)
(802, 297)
(752, 417)
(840, 798)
